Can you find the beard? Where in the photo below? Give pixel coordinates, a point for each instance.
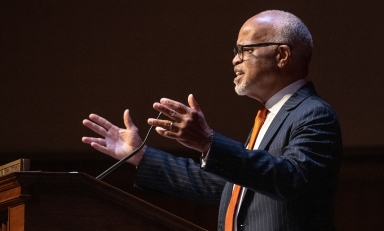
(242, 88)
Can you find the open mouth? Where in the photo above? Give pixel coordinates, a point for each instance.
(239, 74)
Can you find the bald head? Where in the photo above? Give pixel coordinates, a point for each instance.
(283, 27)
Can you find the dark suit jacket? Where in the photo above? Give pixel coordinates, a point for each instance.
(290, 180)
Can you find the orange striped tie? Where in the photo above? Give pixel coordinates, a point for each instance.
(230, 216)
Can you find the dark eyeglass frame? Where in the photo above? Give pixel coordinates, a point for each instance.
(238, 50)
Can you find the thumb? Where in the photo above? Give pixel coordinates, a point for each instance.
(193, 104)
(127, 119)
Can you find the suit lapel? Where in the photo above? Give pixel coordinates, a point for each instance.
(304, 92)
(273, 128)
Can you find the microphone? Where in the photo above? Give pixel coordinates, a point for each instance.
(120, 162)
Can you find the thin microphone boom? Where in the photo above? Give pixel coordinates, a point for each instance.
(120, 162)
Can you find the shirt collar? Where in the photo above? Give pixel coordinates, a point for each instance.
(277, 100)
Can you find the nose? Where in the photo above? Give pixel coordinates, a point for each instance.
(236, 60)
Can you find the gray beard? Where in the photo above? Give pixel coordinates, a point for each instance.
(241, 89)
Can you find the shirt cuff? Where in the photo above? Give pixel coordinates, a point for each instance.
(203, 159)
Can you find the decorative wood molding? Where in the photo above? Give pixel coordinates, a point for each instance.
(15, 166)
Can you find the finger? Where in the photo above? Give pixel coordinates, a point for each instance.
(101, 121)
(164, 124)
(160, 130)
(193, 104)
(177, 106)
(95, 127)
(172, 114)
(166, 133)
(128, 120)
(99, 148)
(89, 140)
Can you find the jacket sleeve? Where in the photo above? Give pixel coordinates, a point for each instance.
(176, 176)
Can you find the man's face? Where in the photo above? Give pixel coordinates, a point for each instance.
(256, 73)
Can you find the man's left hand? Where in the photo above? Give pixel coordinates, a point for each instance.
(187, 125)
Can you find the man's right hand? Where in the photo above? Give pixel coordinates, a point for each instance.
(116, 142)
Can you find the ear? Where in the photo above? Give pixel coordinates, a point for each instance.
(283, 55)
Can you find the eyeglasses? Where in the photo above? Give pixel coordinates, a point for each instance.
(239, 49)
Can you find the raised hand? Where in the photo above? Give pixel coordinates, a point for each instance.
(187, 125)
(115, 142)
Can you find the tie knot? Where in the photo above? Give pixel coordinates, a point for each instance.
(262, 113)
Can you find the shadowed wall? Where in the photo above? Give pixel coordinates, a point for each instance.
(61, 60)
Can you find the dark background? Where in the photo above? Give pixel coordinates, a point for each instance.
(62, 60)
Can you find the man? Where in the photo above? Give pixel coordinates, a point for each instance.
(286, 180)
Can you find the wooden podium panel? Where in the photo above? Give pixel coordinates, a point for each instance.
(75, 201)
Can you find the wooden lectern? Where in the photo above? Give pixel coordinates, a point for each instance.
(76, 201)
